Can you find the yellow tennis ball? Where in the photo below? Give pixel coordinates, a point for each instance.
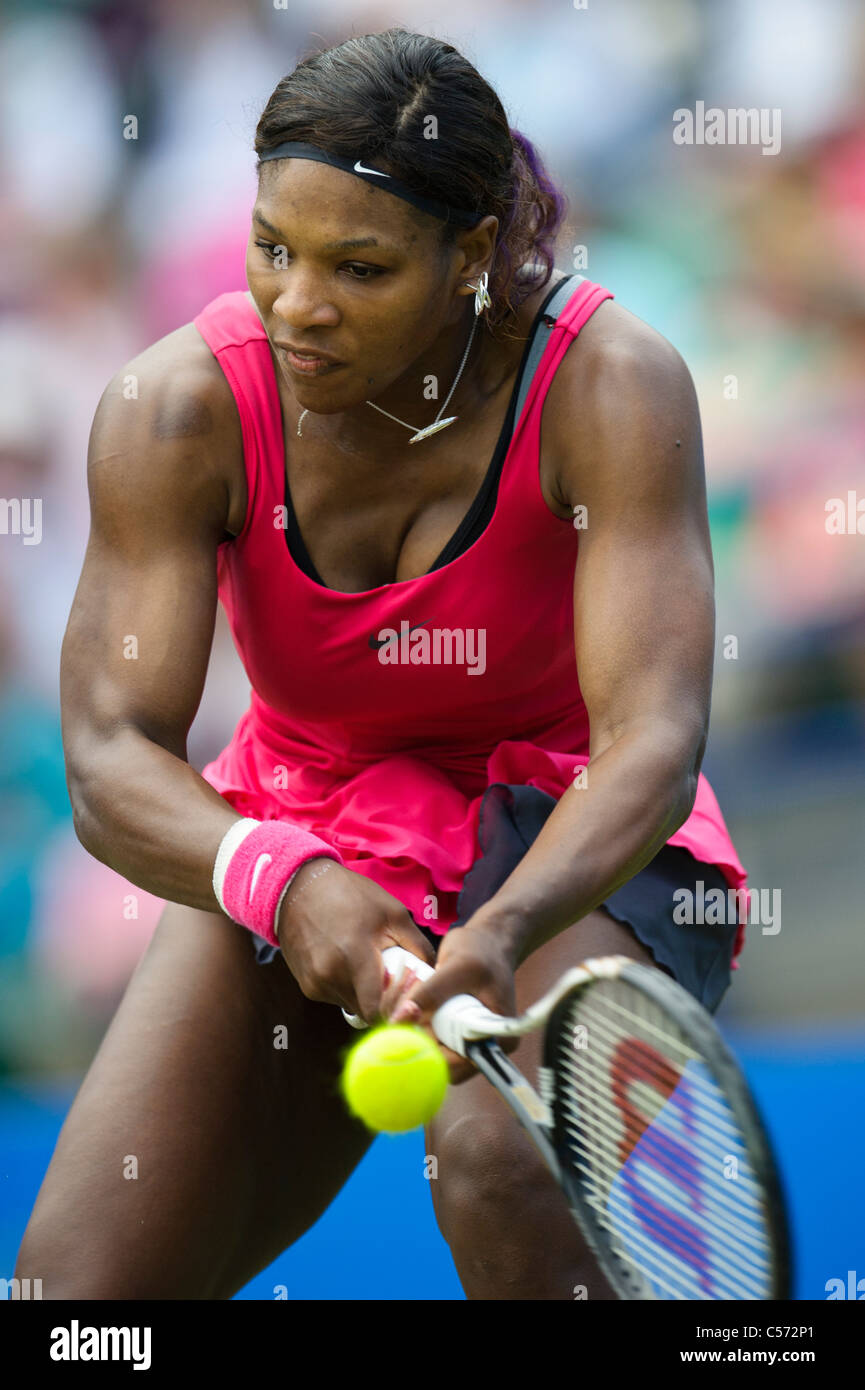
(395, 1078)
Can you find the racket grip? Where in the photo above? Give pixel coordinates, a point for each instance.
(460, 1020)
(463, 1019)
(397, 960)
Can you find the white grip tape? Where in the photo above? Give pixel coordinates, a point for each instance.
(462, 1019)
(397, 960)
(458, 1021)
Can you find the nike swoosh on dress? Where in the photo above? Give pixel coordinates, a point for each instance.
(375, 643)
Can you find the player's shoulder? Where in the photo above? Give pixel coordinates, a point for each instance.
(619, 377)
(178, 385)
(169, 415)
(617, 351)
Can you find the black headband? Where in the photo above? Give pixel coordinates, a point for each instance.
(296, 149)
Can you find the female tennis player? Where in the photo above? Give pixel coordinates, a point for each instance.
(421, 762)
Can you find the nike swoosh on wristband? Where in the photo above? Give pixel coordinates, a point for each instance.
(375, 643)
(361, 169)
(259, 865)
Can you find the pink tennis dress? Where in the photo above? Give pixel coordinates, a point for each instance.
(380, 719)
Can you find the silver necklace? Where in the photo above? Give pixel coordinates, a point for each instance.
(482, 301)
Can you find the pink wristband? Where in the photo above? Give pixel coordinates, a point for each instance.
(255, 863)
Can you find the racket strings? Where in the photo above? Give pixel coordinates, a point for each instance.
(675, 1227)
(657, 1144)
(725, 1281)
(713, 1133)
(650, 1135)
(718, 1128)
(732, 1240)
(728, 1244)
(620, 1021)
(730, 1234)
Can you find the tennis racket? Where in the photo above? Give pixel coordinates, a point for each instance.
(645, 1120)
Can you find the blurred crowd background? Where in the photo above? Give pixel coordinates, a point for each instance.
(752, 264)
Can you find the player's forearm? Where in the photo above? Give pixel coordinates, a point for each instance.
(149, 816)
(638, 792)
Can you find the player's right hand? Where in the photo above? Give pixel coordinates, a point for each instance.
(333, 926)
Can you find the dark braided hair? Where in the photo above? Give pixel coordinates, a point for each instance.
(371, 97)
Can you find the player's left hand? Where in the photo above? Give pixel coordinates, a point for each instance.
(471, 960)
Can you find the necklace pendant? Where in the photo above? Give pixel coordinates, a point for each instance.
(432, 429)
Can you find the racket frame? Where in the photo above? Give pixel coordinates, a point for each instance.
(702, 1033)
(467, 1027)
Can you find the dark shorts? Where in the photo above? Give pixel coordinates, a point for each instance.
(697, 955)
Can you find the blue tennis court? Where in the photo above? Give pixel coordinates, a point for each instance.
(379, 1240)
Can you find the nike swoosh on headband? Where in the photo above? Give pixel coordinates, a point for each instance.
(362, 169)
(376, 644)
(303, 149)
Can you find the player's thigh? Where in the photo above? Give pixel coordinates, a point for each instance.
(493, 1193)
(208, 1133)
